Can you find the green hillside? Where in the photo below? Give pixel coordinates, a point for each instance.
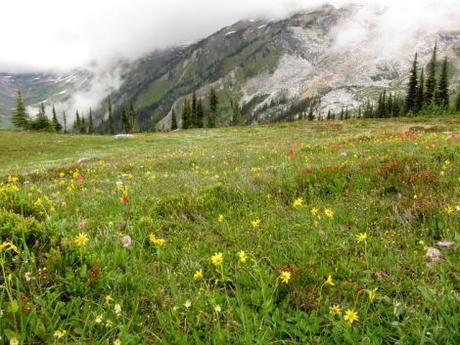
(295, 233)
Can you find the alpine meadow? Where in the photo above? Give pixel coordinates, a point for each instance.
(208, 172)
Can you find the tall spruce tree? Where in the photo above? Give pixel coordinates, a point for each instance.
(194, 115)
(111, 123)
(186, 115)
(41, 121)
(83, 125)
(173, 120)
(419, 101)
(77, 123)
(125, 123)
(457, 103)
(64, 119)
(199, 113)
(91, 129)
(213, 104)
(442, 96)
(412, 87)
(430, 89)
(20, 118)
(236, 118)
(55, 125)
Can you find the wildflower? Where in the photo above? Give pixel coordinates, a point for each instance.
(372, 294)
(444, 244)
(329, 281)
(362, 237)
(198, 275)
(217, 259)
(218, 308)
(329, 213)
(449, 209)
(157, 241)
(124, 199)
(117, 309)
(314, 211)
(98, 319)
(242, 256)
(291, 153)
(187, 304)
(126, 241)
(335, 310)
(81, 239)
(285, 276)
(117, 342)
(59, 334)
(14, 341)
(255, 223)
(351, 316)
(298, 202)
(108, 298)
(220, 219)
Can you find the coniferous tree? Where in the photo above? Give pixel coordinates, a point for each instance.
(430, 89)
(419, 101)
(442, 96)
(342, 114)
(186, 120)
(199, 114)
(457, 103)
(82, 125)
(213, 104)
(20, 118)
(41, 121)
(90, 122)
(55, 125)
(311, 115)
(194, 115)
(77, 123)
(173, 121)
(110, 117)
(125, 123)
(412, 87)
(236, 120)
(64, 118)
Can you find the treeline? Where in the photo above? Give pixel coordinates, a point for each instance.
(427, 94)
(81, 124)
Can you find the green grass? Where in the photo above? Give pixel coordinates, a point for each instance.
(200, 191)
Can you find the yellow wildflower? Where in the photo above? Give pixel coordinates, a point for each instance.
(155, 240)
(335, 310)
(372, 294)
(198, 275)
(298, 202)
(217, 259)
(329, 213)
(362, 237)
(285, 276)
(81, 239)
(220, 219)
(329, 281)
(242, 256)
(256, 223)
(108, 298)
(351, 316)
(59, 334)
(314, 211)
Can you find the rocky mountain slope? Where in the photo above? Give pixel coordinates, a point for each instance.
(277, 69)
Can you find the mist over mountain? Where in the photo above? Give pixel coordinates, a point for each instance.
(338, 55)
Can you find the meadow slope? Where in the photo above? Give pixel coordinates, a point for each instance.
(295, 233)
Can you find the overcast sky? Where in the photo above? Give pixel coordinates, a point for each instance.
(60, 34)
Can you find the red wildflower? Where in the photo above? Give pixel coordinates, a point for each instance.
(124, 199)
(291, 153)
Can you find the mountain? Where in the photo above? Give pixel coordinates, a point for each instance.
(323, 59)
(49, 88)
(278, 69)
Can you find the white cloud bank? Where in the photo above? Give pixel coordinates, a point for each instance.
(60, 35)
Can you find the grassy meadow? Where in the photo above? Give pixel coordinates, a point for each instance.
(295, 233)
